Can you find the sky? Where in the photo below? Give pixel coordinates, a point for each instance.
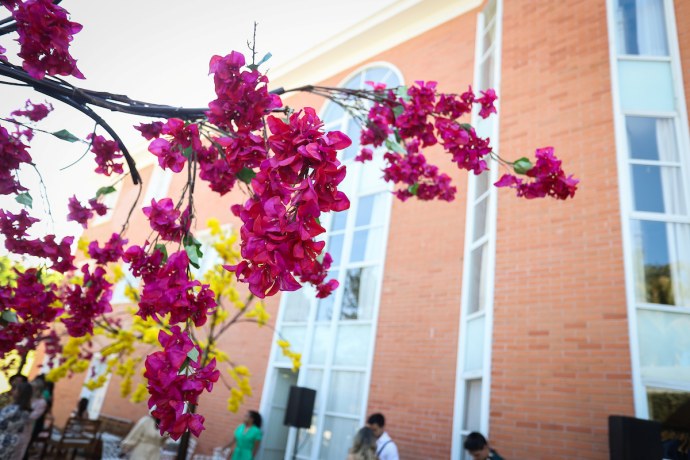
(158, 51)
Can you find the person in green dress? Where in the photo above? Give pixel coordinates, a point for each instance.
(248, 435)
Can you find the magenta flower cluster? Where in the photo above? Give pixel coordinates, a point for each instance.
(176, 380)
(15, 226)
(108, 160)
(45, 34)
(291, 190)
(548, 179)
(87, 301)
(33, 303)
(82, 214)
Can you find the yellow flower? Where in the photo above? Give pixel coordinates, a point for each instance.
(126, 386)
(243, 371)
(83, 246)
(140, 394)
(96, 383)
(132, 293)
(214, 225)
(259, 313)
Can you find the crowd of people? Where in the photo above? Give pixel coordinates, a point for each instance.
(22, 413)
(24, 407)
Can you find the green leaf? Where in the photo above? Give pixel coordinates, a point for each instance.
(193, 354)
(9, 316)
(395, 147)
(246, 175)
(522, 165)
(466, 126)
(104, 191)
(398, 110)
(192, 247)
(188, 152)
(65, 136)
(413, 188)
(401, 92)
(266, 57)
(161, 247)
(24, 199)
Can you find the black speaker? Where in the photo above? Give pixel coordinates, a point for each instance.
(632, 438)
(300, 407)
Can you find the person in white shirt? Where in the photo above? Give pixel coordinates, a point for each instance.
(385, 447)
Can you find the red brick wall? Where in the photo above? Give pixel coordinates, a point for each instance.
(561, 361)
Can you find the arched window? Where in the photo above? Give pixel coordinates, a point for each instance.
(336, 335)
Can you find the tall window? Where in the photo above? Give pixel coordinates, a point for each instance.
(476, 319)
(336, 335)
(652, 140)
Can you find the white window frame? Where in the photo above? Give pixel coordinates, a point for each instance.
(625, 185)
(328, 366)
(489, 238)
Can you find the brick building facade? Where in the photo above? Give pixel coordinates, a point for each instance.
(531, 321)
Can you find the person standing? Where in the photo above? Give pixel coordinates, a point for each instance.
(39, 406)
(385, 447)
(13, 418)
(247, 438)
(144, 441)
(363, 445)
(478, 447)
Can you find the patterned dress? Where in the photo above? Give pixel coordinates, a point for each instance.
(12, 422)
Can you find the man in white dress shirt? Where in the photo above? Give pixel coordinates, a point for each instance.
(385, 447)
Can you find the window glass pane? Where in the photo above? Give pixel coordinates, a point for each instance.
(376, 74)
(477, 279)
(319, 345)
(669, 406)
(486, 72)
(296, 306)
(480, 214)
(489, 36)
(474, 353)
(276, 432)
(481, 184)
(352, 346)
(359, 293)
(662, 262)
(313, 381)
(325, 306)
(295, 335)
(371, 176)
(473, 399)
(664, 345)
(336, 438)
(366, 245)
(346, 392)
(333, 112)
(658, 189)
(338, 220)
(353, 132)
(651, 138)
(646, 86)
(371, 210)
(335, 248)
(641, 27)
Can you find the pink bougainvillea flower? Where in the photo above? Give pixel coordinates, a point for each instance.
(487, 102)
(548, 179)
(45, 34)
(112, 250)
(106, 155)
(34, 112)
(150, 130)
